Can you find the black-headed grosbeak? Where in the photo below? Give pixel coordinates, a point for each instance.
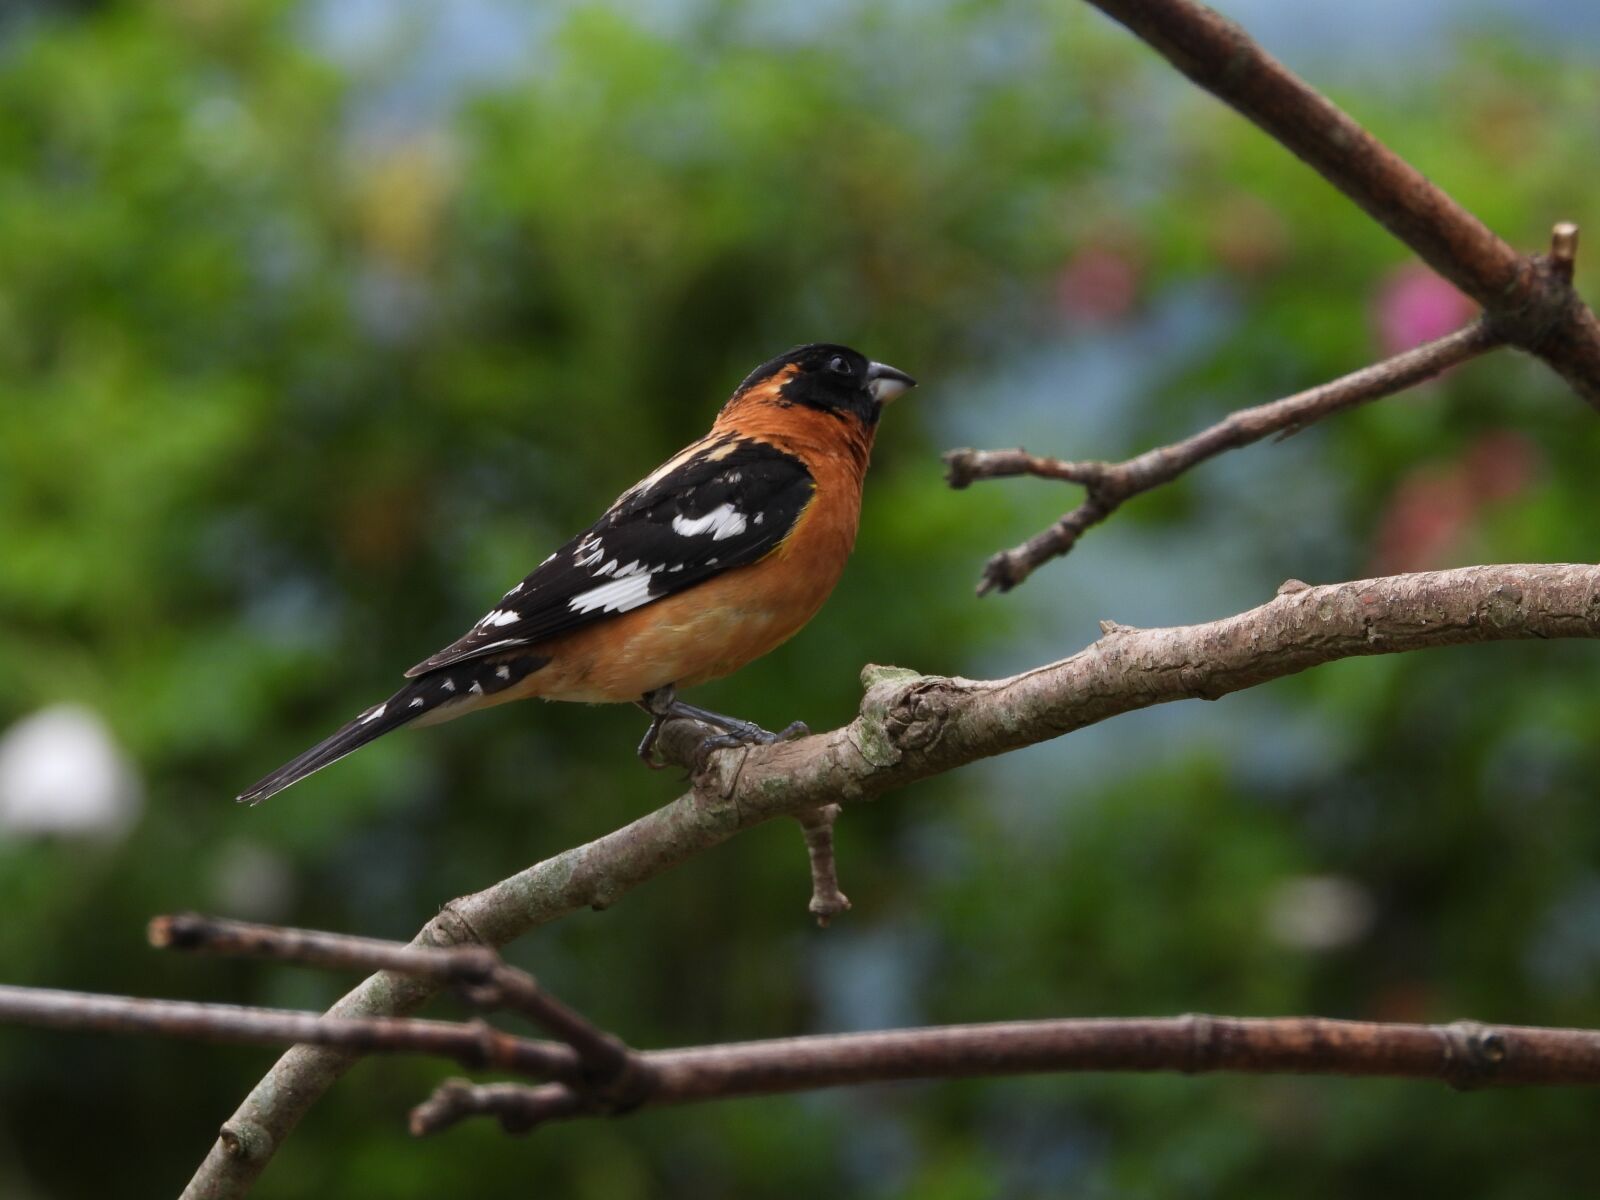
(717, 556)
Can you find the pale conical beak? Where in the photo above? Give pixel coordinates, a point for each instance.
(885, 383)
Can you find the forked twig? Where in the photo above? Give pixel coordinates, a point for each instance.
(1107, 484)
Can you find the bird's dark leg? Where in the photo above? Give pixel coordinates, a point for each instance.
(663, 705)
(659, 705)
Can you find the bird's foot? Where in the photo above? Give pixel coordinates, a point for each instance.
(663, 705)
(747, 734)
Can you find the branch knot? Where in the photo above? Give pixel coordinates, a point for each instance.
(1203, 1043)
(245, 1141)
(917, 720)
(1475, 1054)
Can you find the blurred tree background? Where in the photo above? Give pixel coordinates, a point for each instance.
(321, 322)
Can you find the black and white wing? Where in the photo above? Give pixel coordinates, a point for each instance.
(725, 502)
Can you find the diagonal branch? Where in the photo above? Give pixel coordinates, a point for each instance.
(1530, 298)
(913, 726)
(1107, 485)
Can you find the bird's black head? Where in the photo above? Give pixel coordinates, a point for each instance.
(834, 379)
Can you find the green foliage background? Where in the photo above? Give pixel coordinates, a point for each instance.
(296, 376)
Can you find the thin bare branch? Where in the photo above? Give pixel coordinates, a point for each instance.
(1465, 1054)
(1109, 484)
(1533, 304)
(483, 976)
(472, 1045)
(912, 726)
(516, 1106)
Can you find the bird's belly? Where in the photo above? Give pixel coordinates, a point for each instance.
(696, 636)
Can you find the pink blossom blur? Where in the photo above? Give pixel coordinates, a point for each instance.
(1414, 306)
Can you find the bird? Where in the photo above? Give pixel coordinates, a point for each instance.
(716, 557)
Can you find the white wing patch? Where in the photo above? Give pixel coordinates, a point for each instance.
(629, 589)
(724, 521)
(498, 617)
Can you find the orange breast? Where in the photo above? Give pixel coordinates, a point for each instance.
(713, 628)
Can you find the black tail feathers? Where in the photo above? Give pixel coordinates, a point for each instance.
(438, 695)
(402, 708)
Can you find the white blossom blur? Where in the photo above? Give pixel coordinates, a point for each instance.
(63, 774)
(1319, 912)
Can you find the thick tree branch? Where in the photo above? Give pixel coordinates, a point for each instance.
(1527, 297)
(912, 726)
(1107, 485)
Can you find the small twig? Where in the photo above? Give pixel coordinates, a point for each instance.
(1464, 1054)
(516, 1106)
(472, 1045)
(827, 901)
(679, 743)
(1107, 485)
(965, 467)
(1564, 249)
(483, 977)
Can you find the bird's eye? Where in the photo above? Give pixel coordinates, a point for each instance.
(838, 365)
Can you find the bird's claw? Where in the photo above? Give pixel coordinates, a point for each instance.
(749, 735)
(647, 746)
(663, 705)
(710, 745)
